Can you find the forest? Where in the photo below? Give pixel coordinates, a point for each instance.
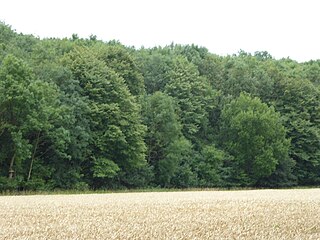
(87, 114)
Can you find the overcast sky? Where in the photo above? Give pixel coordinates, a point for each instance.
(284, 28)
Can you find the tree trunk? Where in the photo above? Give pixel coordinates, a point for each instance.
(33, 156)
(11, 171)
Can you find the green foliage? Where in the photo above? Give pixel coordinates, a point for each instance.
(115, 125)
(209, 166)
(299, 103)
(29, 110)
(251, 74)
(122, 61)
(165, 142)
(15, 104)
(155, 68)
(193, 95)
(174, 169)
(6, 33)
(312, 71)
(104, 168)
(84, 114)
(253, 133)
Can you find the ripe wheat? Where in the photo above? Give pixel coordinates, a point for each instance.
(255, 214)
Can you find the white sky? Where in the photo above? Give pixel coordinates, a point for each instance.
(281, 27)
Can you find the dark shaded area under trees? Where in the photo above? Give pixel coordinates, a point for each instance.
(85, 114)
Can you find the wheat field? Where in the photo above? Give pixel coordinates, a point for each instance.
(254, 214)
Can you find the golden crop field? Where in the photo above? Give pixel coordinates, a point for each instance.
(254, 214)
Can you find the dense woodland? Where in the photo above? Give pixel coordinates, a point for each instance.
(86, 114)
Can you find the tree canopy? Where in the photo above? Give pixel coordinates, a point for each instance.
(87, 114)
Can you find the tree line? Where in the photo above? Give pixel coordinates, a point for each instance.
(87, 114)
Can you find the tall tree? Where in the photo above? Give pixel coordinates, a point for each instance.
(15, 97)
(298, 101)
(253, 134)
(117, 133)
(194, 96)
(28, 109)
(164, 139)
